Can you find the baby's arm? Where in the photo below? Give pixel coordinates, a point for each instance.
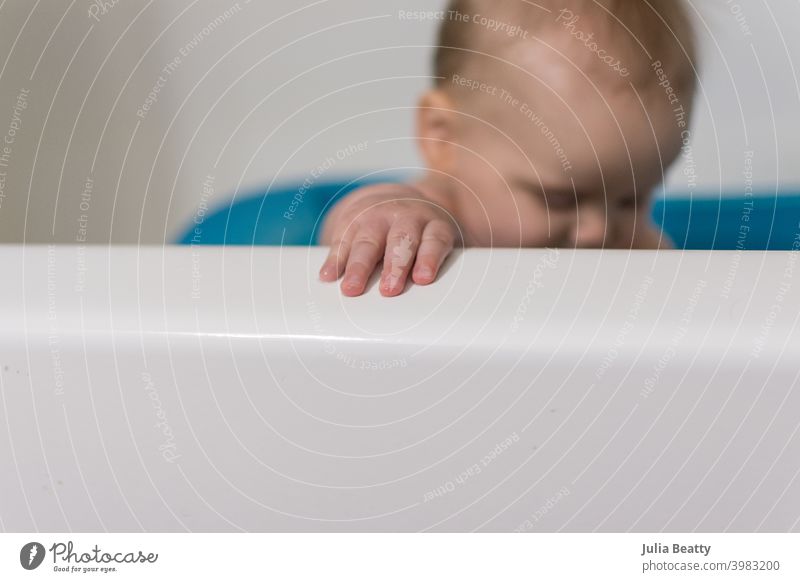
(395, 223)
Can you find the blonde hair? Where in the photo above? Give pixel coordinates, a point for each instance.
(649, 30)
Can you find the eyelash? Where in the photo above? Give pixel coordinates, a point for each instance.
(560, 202)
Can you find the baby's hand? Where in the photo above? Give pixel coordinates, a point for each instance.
(393, 222)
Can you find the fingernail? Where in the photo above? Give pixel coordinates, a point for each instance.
(351, 283)
(425, 273)
(392, 282)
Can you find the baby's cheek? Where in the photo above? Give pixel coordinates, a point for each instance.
(542, 229)
(513, 221)
(625, 226)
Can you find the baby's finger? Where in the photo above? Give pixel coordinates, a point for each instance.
(365, 253)
(401, 248)
(437, 243)
(334, 265)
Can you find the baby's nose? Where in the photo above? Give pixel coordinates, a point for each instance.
(591, 229)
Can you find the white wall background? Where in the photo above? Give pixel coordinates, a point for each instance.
(278, 87)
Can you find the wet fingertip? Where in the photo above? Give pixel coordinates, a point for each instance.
(351, 287)
(424, 275)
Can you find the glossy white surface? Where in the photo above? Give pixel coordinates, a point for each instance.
(226, 389)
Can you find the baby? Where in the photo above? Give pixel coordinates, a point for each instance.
(550, 125)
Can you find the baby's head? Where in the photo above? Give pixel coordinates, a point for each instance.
(554, 121)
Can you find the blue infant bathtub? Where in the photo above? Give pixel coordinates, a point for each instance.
(292, 215)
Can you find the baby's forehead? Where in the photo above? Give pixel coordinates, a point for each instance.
(543, 73)
(547, 100)
(614, 42)
(560, 44)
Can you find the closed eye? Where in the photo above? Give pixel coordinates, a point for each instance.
(555, 198)
(560, 200)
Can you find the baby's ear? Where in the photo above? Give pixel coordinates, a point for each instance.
(437, 122)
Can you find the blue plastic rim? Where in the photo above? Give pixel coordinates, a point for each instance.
(293, 215)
